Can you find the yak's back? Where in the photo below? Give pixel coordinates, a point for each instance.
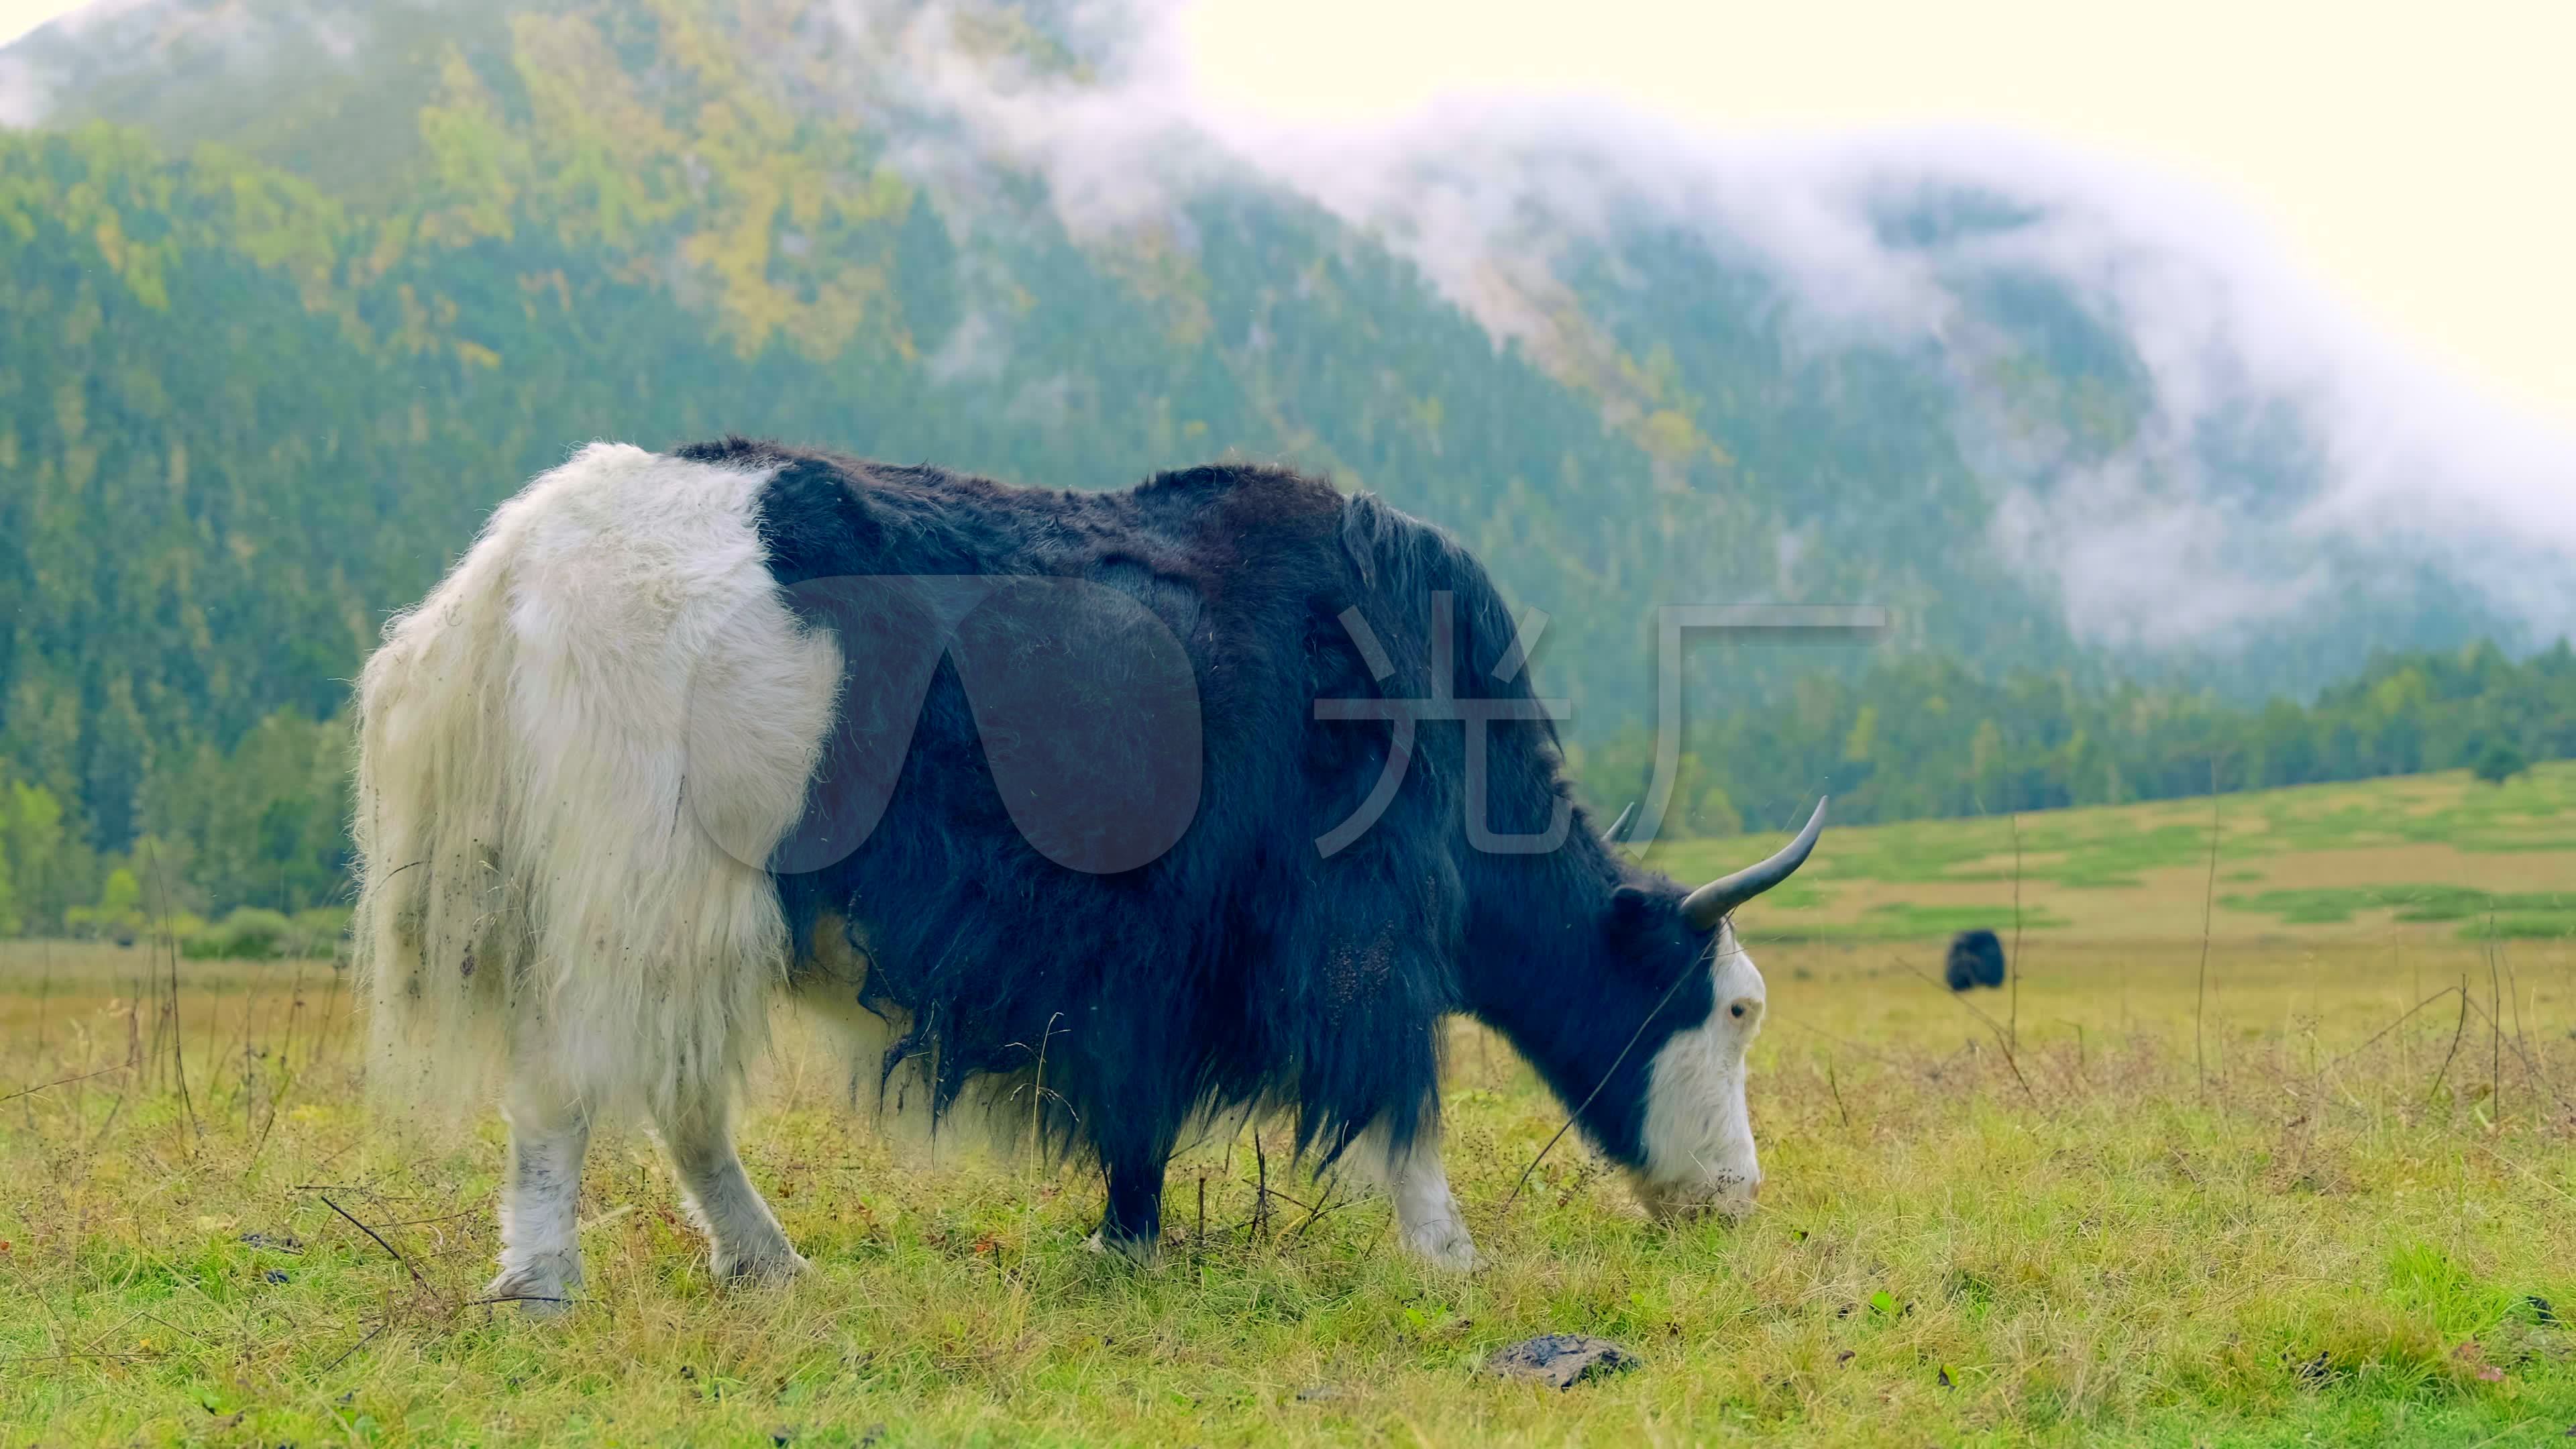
(824, 514)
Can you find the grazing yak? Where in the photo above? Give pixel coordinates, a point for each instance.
(1976, 959)
(1120, 809)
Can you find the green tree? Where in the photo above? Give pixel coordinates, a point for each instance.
(118, 915)
(2499, 762)
(266, 819)
(31, 839)
(1712, 813)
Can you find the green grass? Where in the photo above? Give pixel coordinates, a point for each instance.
(2328, 855)
(2118, 846)
(2533, 915)
(2270, 1207)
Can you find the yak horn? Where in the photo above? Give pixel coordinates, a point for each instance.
(1621, 823)
(1705, 907)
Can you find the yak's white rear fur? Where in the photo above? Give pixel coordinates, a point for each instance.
(561, 858)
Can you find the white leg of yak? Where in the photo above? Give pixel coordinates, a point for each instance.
(540, 1201)
(744, 1238)
(1426, 1214)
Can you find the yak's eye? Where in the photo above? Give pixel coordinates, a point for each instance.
(1738, 1010)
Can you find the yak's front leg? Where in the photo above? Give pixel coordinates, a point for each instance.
(744, 1238)
(1426, 1213)
(541, 1200)
(1132, 1223)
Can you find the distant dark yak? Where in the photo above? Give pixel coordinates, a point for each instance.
(1127, 810)
(1976, 959)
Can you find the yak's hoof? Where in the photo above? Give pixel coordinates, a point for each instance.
(1447, 1247)
(540, 1289)
(1139, 1251)
(774, 1266)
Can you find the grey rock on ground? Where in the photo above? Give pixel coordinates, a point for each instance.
(1560, 1359)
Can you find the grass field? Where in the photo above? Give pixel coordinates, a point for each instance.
(2126, 1200)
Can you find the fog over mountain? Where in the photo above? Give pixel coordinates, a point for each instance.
(2270, 457)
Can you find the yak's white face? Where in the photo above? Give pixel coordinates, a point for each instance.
(1698, 1136)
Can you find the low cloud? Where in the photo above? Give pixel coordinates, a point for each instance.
(2366, 466)
(2382, 463)
(26, 92)
(178, 44)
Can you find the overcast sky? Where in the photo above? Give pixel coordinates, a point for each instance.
(2414, 158)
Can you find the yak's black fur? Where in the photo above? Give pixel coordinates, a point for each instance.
(1976, 959)
(1241, 967)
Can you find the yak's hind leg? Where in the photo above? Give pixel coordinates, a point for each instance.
(1426, 1213)
(541, 1200)
(743, 1236)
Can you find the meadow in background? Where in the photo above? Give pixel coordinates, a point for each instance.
(2305, 1174)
